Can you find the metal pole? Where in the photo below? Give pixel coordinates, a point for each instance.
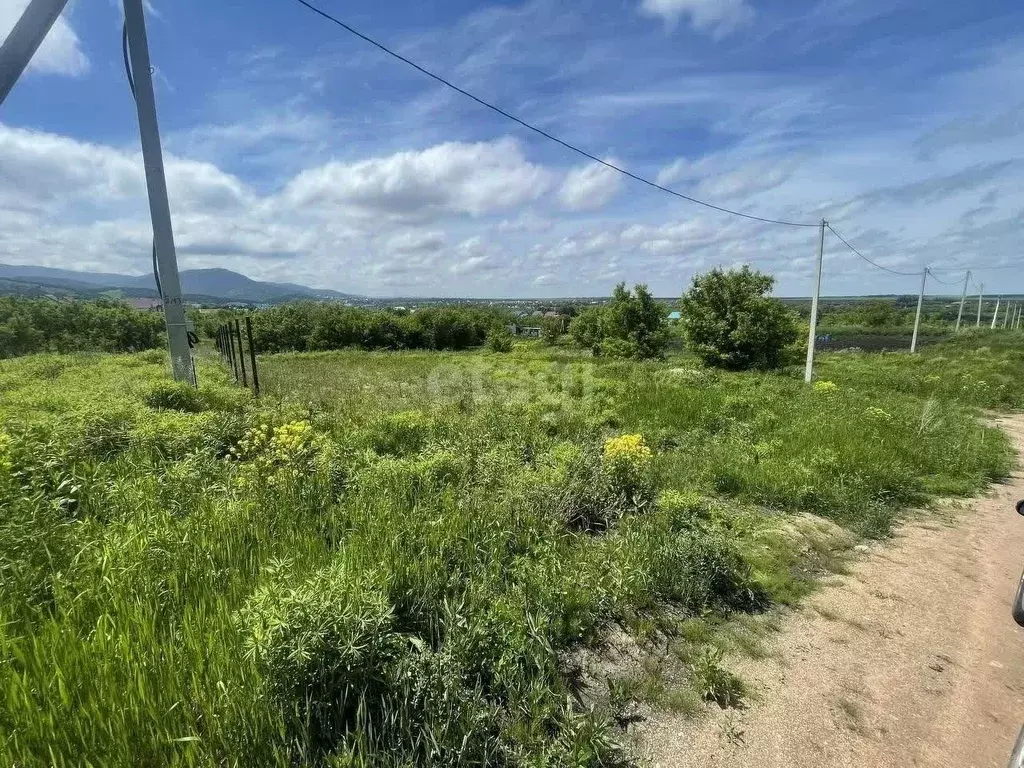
(24, 40)
(252, 358)
(241, 353)
(981, 295)
(156, 183)
(995, 316)
(811, 337)
(920, 302)
(963, 298)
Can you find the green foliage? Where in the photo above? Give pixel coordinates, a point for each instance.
(731, 322)
(631, 325)
(499, 339)
(587, 329)
(28, 326)
(302, 326)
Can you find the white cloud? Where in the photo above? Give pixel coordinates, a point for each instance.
(449, 178)
(61, 52)
(716, 17)
(589, 186)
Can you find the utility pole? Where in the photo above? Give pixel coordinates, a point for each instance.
(1006, 315)
(156, 183)
(811, 338)
(920, 302)
(995, 315)
(963, 298)
(24, 40)
(981, 295)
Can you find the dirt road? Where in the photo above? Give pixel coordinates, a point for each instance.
(912, 660)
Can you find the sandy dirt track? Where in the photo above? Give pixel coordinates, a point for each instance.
(911, 660)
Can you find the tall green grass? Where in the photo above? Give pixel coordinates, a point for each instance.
(392, 557)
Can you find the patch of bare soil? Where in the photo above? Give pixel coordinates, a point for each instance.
(911, 660)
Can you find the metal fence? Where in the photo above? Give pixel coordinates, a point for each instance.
(233, 351)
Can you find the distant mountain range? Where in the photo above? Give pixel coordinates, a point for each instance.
(207, 286)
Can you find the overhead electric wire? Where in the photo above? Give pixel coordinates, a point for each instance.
(942, 282)
(541, 131)
(869, 261)
(131, 85)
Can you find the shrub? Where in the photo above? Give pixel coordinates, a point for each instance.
(730, 322)
(42, 325)
(500, 340)
(587, 329)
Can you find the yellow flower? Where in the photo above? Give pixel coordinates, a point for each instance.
(826, 387)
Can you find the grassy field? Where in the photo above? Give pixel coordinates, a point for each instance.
(393, 559)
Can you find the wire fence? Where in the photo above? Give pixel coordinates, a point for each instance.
(234, 348)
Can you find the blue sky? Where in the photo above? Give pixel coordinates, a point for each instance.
(297, 152)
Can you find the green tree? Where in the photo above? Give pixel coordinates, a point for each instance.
(587, 329)
(730, 320)
(638, 320)
(880, 314)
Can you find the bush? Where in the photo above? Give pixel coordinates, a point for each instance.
(730, 322)
(500, 340)
(631, 325)
(305, 326)
(28, 326)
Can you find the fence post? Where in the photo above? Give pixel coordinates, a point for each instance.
(995, 316)
(963, 298)
(231, 347)
(252, 357)
(811, 337)
(241, 353)
(920, 303)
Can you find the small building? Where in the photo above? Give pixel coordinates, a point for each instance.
(525, 332)
(675, 317)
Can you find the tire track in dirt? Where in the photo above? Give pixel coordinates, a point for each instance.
(911, 660)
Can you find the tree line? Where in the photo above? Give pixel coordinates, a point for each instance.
(310, 326)
(29, 325)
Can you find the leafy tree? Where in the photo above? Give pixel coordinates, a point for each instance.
(880, 314)
(630, 325)
(637, 319)
(43, 325)
(587, 329)
(730, 320)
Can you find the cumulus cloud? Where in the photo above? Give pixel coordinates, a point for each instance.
(715, 17)
(449, 178)
(61, 52)
(589, 187)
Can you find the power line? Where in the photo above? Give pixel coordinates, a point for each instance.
(541, 131)
(942, 282)
(869, 261)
